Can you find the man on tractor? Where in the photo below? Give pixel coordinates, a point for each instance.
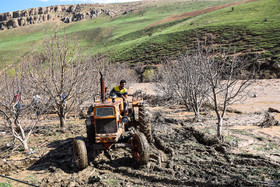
(121, 91)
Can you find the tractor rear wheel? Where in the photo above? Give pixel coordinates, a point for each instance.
(145, 119)
(140, 148)
(80, 153)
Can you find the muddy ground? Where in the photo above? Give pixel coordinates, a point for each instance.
(185, 152)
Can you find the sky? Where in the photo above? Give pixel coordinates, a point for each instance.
(14, 5)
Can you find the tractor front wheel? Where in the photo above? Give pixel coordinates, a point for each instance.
(90, 133)
(80, 153)
(140, 148)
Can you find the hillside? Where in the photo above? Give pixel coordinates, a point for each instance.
(148, 31)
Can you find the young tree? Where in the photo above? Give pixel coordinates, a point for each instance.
(16, 107)
(228, 76)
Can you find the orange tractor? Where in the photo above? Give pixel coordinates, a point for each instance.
(106, 123)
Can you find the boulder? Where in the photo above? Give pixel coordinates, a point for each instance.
(7, 16)
(36, 18)
(45, 17)
(24, 13)
(71, 8)
(78, 8)
(57, 8)
(16, 14)
(269, 121)
(12, 23)
(50, 17)
(31, 19)
(51, 9)
(33, 11)
(273, 110)
(66, 20)
(41, 10)
(276, 66)
(22, 21)
(78, 17)
(2, 26)
(40, 19)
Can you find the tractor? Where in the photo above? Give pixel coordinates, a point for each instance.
(107, 122)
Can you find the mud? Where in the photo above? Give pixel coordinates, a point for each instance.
(181, 156)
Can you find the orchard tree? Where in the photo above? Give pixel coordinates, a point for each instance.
(210, 73)
(115, 72)
(182, 77)
(62, 73)
(17, 108)
(227, 75)
(66, 76)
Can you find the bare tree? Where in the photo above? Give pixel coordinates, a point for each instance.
(164, 80)
(68, 78)
(16, 106)
(114, 72)
(228, 77)
(62, 73)
(183, 78)
(210, 73)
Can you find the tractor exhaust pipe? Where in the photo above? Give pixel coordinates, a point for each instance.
(102, 84)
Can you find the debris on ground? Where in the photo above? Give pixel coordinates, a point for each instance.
(269, 121)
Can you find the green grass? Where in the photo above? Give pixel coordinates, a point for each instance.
(253, 26)
(5, 184)
(112, 182)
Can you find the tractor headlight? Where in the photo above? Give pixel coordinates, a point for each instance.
(88, 121)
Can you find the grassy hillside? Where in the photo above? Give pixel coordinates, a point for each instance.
(251, 27)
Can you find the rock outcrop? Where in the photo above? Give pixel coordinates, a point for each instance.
(64, 13)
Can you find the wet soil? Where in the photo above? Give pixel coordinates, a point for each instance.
(196, 159)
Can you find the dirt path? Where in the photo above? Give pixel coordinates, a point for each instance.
(198, 12)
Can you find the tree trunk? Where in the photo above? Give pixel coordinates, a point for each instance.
(62, 120)
(25, 146)
(196, 111)
(219, 128)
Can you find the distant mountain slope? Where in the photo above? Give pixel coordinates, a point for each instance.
(64, 13)
(136, 36)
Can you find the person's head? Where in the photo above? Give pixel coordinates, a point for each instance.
(106, 89)
(122, 83)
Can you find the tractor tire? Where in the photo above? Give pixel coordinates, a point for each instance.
(90, 133)
(140, 148)
(148, 131)
(80, 153)
(147, 125)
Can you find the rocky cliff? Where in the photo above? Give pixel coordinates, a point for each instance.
(64, 13)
